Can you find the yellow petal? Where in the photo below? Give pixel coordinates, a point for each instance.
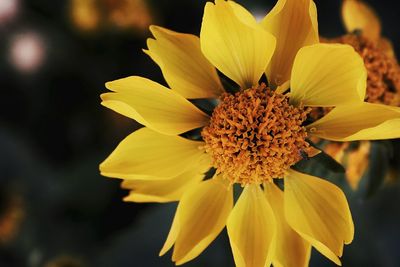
(281, 89)
(357, 164)
(153, 105)
(146, 154)
(294, 24)
(252, 229)
(364, 121)
(357, 15)
(291, 249)
(183, 65)
(336, 150)
(201, 215)
(164, 190)
(328, 75)
(172, 235)
(237, 46)
(318, 211)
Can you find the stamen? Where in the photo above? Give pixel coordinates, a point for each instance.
(255, 135)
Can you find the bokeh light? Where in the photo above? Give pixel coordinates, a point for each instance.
(8, 10)
(94, 15)
(11, 217)
(85, 14)
(129, 13)
(27, 51)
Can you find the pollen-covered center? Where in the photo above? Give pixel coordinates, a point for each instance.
(255, 135)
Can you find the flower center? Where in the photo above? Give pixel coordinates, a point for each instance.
(255, 135)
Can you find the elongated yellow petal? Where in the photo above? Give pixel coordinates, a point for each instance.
(291, 249)
(294, 24)
(183, 65)
(318, 211)
(146, 154)
(357, 15)
(252, 229)
(234, 43)
(328, 75)
(164, 190)
(172, 235)
(357, 164)
(153, 105)
(200, 217)
(363, 121)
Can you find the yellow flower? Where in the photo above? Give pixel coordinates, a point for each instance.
(377, 52)
(253, 137)
(359, 16)
(383, 83)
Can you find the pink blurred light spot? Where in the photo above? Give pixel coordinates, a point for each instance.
(27, 52)
(8, 10)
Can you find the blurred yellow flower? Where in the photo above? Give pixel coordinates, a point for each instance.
(253, 137)
(89, 15)
(377, 52)
(129, 13)
(357, 15)
(383, 83)
(85, 14)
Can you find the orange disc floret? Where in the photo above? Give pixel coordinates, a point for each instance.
(255, 135)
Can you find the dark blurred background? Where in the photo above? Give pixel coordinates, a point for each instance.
(55, 208)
